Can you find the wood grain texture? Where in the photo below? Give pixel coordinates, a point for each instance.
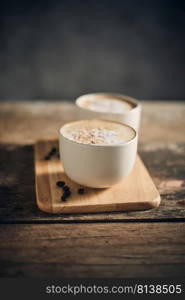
(136, 192)
(93, 250)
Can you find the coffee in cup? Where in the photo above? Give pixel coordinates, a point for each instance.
(98, 132)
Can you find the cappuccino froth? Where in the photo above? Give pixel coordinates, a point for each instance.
(98, 132)
(106, 104)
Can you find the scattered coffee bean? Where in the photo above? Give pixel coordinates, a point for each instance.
(53, 150)
(47, 157)
(60, 183)
(65, 195)
(81, 191)
(66, 188)
(64, 198)
(50, 153)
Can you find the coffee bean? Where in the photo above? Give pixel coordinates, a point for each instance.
(66, 188)
(47, 157)
(60, 183)
(81, 191)
(65, 195)
(53, 150)
(64, 198)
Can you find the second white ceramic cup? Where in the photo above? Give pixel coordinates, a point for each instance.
(130, 117)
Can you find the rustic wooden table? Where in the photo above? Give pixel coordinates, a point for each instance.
(124, 244)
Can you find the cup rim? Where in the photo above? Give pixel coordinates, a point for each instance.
(128, 99)
(99, 145)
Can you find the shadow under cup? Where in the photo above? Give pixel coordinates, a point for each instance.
(130, 117)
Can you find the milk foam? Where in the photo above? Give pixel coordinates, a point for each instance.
(98, 132)
(107, 105)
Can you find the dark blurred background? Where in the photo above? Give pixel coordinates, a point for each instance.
(61, 49)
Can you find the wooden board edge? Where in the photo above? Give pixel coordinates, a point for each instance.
(44, 208)
(114, 207)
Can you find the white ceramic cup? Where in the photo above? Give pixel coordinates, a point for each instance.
(130, 117)
(97, 166)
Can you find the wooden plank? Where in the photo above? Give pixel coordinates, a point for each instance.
(136, 192)
(93, 250)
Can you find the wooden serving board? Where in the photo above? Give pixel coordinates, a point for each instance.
(136, 192)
